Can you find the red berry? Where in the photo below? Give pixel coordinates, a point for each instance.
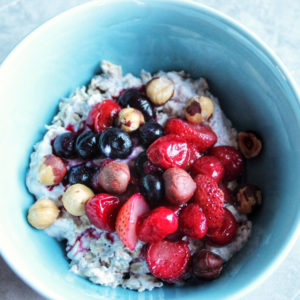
(194, 155)
(231, 159)
(226, 233)
(157, 224)
(127, 218)
(226, 192)
(168, 260)
(169, 151)
(102, 211)
(192, 222)
(209, 166)
(200, 135)
(211, 200)
(102, 115)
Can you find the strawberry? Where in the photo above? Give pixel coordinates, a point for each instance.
(209, 166)
(226, 233)
(192, 221)
(194, 155)
(200, 135)
(211, 200)
(102, 211)
(169, 151)
(127, 218)
(157, 224)
(231, 159)
(168, 260)
(102, 115)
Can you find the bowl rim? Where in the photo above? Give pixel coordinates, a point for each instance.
(33, 281)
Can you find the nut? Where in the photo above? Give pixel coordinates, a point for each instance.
(248, 198)
(249, 144)
(160, 90)
(51, 170)
(75, 197)
(179, 186)
(42, 213)
(199, 109)
(207, 265)
(130, 119)
(114, 177)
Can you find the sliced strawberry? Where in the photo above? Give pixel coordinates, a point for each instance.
(200, 135)
(102, 115)
(169, 151)
(102, 211)
(209, 166)
(168, 260)
(127, 218)
(157, 224)
(211, 200)
(226, 233)
(192, 222)
(231, 159)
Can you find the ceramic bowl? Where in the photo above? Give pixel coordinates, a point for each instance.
(255, 91)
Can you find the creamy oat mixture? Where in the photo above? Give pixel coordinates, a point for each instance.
(93, 253)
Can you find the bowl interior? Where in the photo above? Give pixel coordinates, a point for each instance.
(66, 52)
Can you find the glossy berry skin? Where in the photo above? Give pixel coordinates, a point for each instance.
(102, 211)
(202, 136)
(167, 260)
(143, 166)
(194, 155)
(231, 159)
(211, 199)
(102, 115)
(127, 218)
(150, 132)
(156, 225)
(152, 188)
(192, 222)
(115, 143)
(169, 151)
(64, 145)
(226, 192)
(133, 98)
(87, 145)
(209, 166)
(226, 233)
(81, 174)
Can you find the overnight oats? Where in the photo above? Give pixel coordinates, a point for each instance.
(140, 177)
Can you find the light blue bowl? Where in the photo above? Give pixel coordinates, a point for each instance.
(255, 91)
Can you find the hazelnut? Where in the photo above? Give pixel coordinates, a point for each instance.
(179, 185)
(114, 177)
(207, 265)
(249, 144)
(199, 109)
(248, 198)
(42, 213)
(75, 197)
(51, 170)
(160, 90)
(130, 119)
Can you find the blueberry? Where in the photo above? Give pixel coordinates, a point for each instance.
(150, 132)
(140, 163)
(87, 145)
(81, 174)
(152, 187)
(115, 143)
(64, 145)
(135, 99)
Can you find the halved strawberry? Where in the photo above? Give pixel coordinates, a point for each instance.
(168, 260)
(202, 136)
(211, 199)
(127, 218)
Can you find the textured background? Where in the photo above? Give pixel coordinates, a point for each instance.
(276, 22)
